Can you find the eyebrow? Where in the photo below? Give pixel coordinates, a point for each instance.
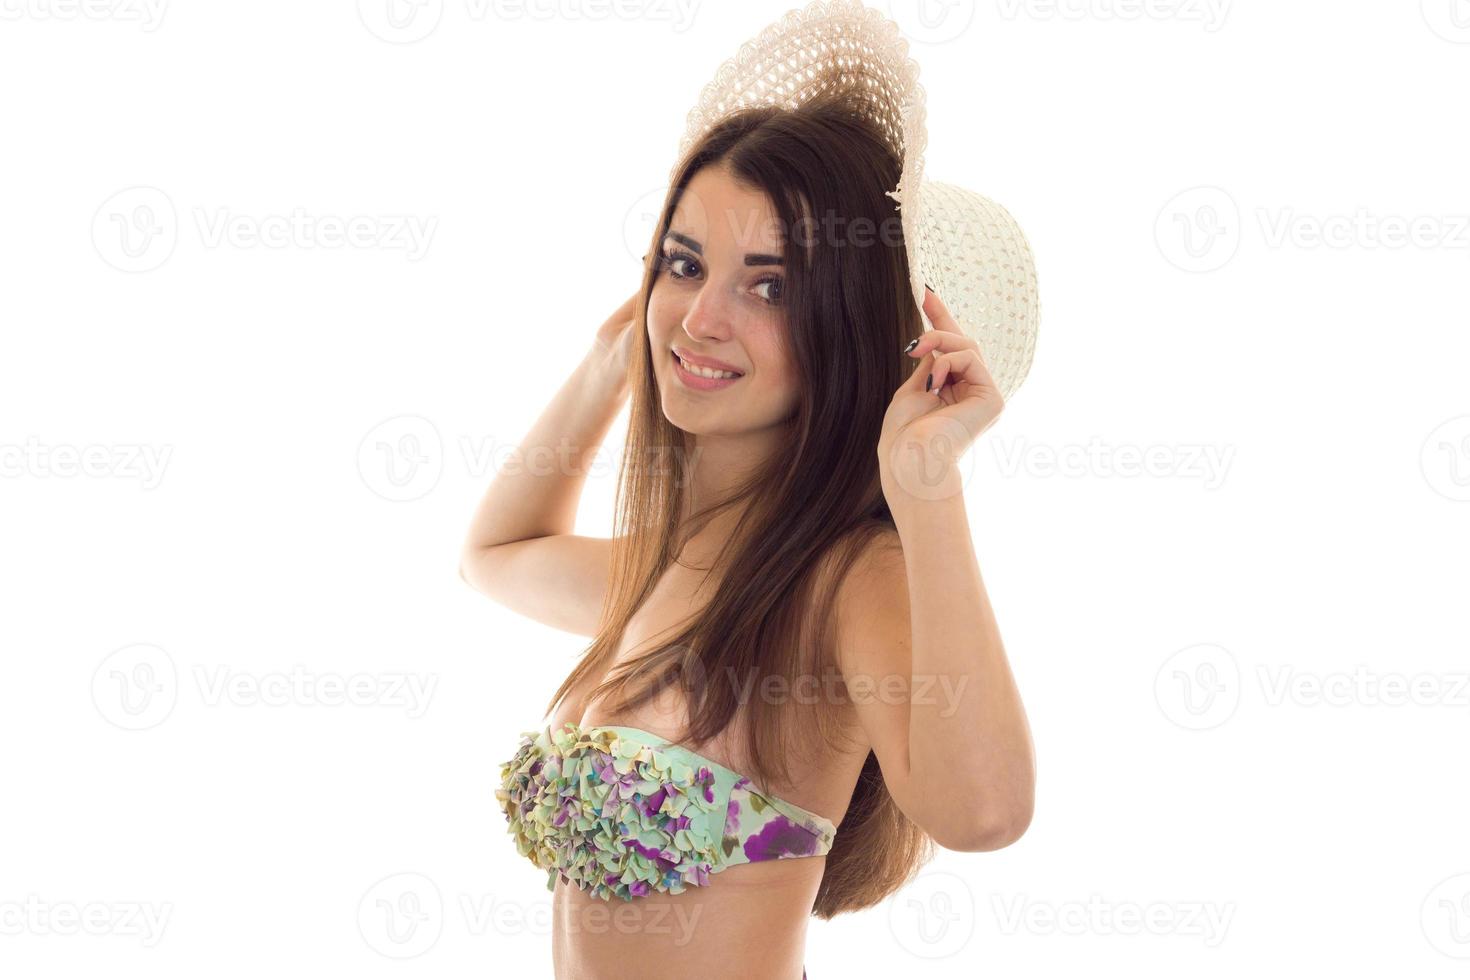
(751, 258)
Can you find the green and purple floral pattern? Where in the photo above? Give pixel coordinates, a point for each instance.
(619, 812)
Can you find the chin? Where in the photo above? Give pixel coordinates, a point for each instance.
(695, 423)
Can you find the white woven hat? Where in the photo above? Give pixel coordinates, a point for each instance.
(965, 246)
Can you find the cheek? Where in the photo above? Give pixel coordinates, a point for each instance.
(661, 318)
(773, 359)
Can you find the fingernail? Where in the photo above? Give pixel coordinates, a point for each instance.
(931, 289)
(912, 344)
(929, 382)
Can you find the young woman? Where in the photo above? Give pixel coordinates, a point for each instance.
(793, 654)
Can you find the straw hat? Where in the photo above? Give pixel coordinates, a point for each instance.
(967, 247)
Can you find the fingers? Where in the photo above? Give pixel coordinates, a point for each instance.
(939, 342)
(961, 366)
(617, 324)
(939, 314)
(915, 380)
(946, 335)
(624, 314)
(953, 354)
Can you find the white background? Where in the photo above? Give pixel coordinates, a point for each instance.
(284, 440)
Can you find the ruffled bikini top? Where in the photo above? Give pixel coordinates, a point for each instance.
(619, 811)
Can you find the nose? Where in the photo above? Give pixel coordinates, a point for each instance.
(707, 318)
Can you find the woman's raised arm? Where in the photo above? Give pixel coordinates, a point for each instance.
(520, 549)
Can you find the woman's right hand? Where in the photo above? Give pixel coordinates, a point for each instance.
(613, 349)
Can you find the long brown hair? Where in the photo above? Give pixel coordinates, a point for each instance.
(810, 511)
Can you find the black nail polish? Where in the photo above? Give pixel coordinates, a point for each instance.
(912, 344)
(931, 289)
(929, 382)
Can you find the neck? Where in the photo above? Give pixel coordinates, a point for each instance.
(717, 466)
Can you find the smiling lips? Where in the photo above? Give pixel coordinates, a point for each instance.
(700, 376)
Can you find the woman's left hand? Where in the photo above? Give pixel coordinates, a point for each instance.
(925, 431)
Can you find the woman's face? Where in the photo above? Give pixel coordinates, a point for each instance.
(717, 296)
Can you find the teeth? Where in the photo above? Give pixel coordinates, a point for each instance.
(704, 372)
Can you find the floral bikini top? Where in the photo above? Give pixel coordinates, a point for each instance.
(619, 811)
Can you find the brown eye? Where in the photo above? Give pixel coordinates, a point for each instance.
(669, 261)
(774, 298)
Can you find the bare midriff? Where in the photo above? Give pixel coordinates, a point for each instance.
(749, 921)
